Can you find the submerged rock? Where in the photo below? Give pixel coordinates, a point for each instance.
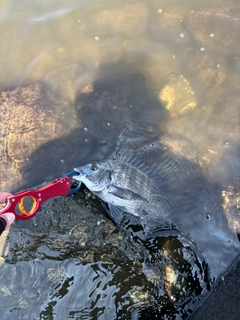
(177, 96)
(129, 20)
(216, 28)
(30, 117)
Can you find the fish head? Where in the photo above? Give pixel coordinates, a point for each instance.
(95, 175)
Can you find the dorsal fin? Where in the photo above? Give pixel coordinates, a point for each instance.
(129, 151)
(135, 161)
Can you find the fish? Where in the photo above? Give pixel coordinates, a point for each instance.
(128, 185)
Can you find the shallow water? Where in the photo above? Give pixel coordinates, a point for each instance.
(170, 73)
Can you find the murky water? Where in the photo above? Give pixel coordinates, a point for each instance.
(74, 75)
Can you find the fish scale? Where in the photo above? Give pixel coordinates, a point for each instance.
(131, 178)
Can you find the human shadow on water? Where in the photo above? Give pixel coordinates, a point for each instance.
(114, 104)
(120, 102)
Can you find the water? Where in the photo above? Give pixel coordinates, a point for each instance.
(164, 278)
(73, 76)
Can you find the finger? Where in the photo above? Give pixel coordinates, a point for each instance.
(3, 196)
(9, 217)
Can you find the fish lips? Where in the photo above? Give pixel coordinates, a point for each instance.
(80, 174)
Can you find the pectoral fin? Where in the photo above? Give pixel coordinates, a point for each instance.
(123, 193)
(116, 213)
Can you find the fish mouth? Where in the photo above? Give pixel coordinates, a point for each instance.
(79, 175)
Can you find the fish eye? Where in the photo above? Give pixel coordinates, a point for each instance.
(93, 167)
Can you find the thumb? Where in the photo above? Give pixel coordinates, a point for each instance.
(9, 217)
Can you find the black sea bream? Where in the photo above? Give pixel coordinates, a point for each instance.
(126, 185)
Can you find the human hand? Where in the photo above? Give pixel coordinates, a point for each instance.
(8, 217)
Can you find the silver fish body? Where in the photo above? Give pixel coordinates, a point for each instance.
(127, 186)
